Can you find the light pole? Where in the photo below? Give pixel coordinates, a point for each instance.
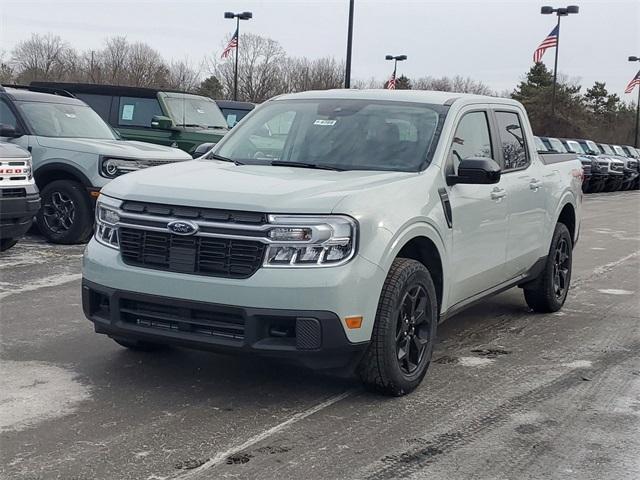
(347, 71)
(239, 16)
(637, 141)
(560, 12)
(396, 59)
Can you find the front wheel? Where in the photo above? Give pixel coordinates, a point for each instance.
(66, 213)
(401, 346)
(548, 292)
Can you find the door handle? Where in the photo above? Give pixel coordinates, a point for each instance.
(498, 193)
(535, 185)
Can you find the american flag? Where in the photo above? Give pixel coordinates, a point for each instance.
(391, 84)
(549, 42)
(233, 43)
(634, 81)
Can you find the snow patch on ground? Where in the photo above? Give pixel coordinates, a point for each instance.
(50, 281)
(615, 291)
(475, 361)
(32, 392)
(578, 364)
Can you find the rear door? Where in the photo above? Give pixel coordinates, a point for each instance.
(479, 212)
(525, 185)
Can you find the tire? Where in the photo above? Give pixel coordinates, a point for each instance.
(408, 293)
(138, 345)
(7, 243)
(548, 292)
(66, 215)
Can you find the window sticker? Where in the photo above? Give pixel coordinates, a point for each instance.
(231, 119)
(326, 123)
(127, 112)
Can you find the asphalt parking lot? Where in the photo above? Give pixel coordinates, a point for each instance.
(511, 394)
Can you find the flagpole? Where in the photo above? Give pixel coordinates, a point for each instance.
(235, 71)
(638, 119)
(555, 73)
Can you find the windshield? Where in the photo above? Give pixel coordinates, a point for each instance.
(619, 151)
(557, 145)
(194, 111)
(575, 147)
(606, 149)
(65, 120)
(342, 134)
(631, 151)
(540, 146)
(593, 148)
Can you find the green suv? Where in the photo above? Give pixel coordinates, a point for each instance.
(175, 119)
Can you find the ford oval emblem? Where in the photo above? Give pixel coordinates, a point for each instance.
(180, 227)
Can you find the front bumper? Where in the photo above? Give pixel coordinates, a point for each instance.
(352, 289)
(16, 213)
(315, 339)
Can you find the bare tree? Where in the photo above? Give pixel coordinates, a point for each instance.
(6, 70)
(183, 76)
(300, 74)
(114, 58)
(259, 69)
(457, 84)
(40, 57)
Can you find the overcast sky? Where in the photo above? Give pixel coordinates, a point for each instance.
(489, 40)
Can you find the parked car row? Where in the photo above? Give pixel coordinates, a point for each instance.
(607, 168)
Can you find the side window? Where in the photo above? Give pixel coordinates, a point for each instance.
(514, 148)
(100, 103)
(6, 115)
(472, 139)
(137, 112)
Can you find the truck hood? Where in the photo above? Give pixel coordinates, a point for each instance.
(116, 148)
(261, 188)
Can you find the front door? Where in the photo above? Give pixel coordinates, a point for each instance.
(479, 214)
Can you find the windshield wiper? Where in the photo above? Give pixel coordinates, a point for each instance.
(219, 127)
(280, 163)
(215, 156)
(190, 125)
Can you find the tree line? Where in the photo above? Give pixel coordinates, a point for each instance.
(265, 70)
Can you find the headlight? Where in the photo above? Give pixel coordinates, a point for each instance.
(107, 217)
(28, 168)
(310, 241)
(114, 167)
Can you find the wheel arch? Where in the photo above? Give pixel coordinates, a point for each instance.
(423, 243)
(59, 171)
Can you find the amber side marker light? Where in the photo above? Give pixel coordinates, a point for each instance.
(353, 322)
(94, 193)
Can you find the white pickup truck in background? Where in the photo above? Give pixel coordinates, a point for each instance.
(337, 228)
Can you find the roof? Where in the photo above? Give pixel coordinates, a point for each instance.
(8, 150)
(236, 104)
(29, 96)
(99, 89)
(416, 96)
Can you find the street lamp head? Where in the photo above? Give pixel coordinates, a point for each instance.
(634, 59)
(402, 57)
(546, 10)
(573, 9)
(245, 15)
(229, 15)
(390, 57)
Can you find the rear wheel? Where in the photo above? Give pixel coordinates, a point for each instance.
(549, 291)
(66, 213)
(401, 346)
(7, 243)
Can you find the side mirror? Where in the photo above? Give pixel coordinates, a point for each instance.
(9, 131)
(162, 122)
(479, 171)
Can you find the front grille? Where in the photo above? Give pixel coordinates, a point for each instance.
(218, 257)
(13, 192)
(213, 321)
